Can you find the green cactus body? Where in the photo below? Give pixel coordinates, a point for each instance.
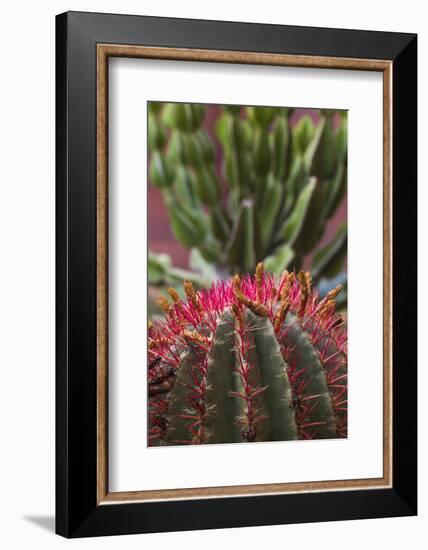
(279, 186)
(262, 359)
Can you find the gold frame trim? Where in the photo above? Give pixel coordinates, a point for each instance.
(104, 51)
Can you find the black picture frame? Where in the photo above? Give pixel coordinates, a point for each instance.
(78, 513)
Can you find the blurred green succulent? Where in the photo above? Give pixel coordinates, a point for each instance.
(278, 187)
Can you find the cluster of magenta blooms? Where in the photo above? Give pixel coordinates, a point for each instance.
(194, 321)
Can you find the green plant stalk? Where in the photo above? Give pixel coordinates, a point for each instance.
(293, 177)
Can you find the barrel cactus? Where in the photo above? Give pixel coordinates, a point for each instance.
(278, 186)
(262, 358)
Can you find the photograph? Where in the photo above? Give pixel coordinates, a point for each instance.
(247, 273)
(236, 241)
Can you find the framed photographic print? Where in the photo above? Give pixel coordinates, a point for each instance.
(236, 274)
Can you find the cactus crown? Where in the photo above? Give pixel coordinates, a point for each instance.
(260, 358)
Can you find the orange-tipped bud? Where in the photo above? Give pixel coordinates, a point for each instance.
(331, 295)
(164, 304)
(258, 309)
(259, 280)
(193, 336)
(236, 312)
(281, 314)
(191, 293)
(174, 295)
(304, 280)
(236, 282)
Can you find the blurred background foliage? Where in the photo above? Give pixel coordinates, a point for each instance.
(232, 186)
